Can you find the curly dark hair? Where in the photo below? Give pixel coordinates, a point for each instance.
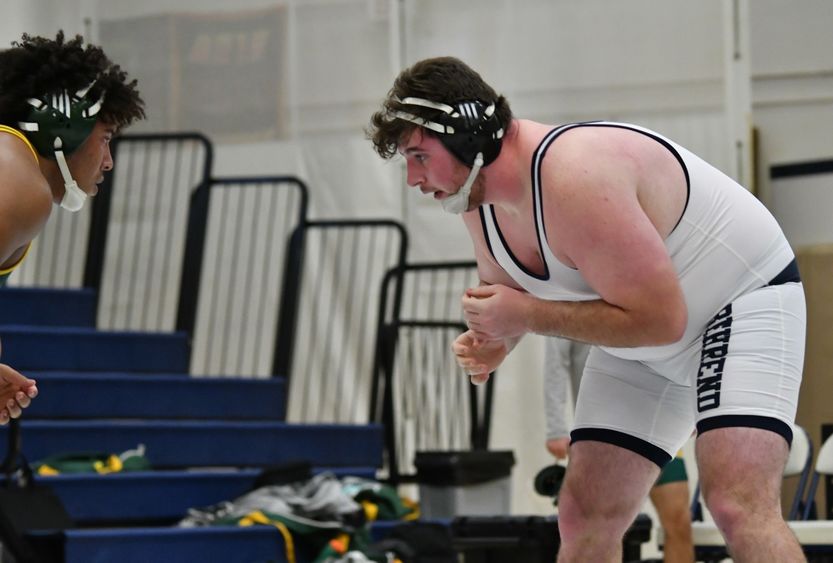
(446, 80)
(36, 66)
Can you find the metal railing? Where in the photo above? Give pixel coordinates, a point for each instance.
(420, 394)
(153, 174)
(137, 240)
(237, 246)
(328, 326)
(57, 256)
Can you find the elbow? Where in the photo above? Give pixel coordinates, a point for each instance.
(672, 325)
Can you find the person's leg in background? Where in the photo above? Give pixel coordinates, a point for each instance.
(670, 497)
(563, 361)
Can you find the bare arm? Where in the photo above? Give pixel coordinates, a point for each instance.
(25, 197)
(488, 270)
(593, 211)
(478, 356)
(603, 229)
(25, 204)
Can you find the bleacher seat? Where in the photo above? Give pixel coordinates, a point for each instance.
(78, 395)
(207, 438)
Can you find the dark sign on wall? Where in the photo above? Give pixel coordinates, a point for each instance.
(220, 73)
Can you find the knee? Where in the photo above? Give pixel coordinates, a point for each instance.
(728, 511)
(677, 522)
(579, 514)
(571, 515)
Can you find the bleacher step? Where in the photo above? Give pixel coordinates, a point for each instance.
(47, 307)
(86, 349)
(258, 544)
(190, 443)
(161, 396)
(157, 496)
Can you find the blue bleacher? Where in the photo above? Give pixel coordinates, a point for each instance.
(67, 348)
(257, 544)
(134, 496)
(47, 307)
(196, 443)
(207, 438)
(155, 395)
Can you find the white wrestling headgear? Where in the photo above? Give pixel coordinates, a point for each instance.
(469, 130)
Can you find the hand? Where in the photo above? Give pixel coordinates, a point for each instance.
(478, 358)
(559, 447)
(16, 393)
(495, 312)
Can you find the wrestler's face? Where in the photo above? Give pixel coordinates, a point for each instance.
(92, 159)
(433, 169)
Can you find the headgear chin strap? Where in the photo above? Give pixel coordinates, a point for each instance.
(459, 202)
(469, 130)
(74, 197)
(57, 126)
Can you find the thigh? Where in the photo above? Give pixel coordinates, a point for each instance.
(744, 462)
(751, 362)
(626, 404)
(604, 479)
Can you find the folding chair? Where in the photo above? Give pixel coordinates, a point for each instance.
(824, 466)
(816, 536)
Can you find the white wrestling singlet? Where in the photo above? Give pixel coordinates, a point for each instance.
(740, 359)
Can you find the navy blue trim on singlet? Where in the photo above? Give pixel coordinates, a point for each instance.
(670, 148)
(537, 156)
(632, 443)
(486, 234)
(546, 275)
(542, 149)
(746, 421)
(787, 275)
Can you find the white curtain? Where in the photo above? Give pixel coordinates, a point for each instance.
(288, 87)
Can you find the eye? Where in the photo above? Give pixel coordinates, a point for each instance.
(420, 158)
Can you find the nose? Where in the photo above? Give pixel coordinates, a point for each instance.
(107, 164)
(415, 177)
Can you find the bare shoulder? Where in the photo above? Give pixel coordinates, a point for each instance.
(588, 152)
(587, 170)
(597, 166)
(607, 149)
(25, 196)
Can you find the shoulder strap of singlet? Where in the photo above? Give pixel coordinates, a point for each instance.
(21, 136)
(537, 159)
(488, 209)
(10, 269)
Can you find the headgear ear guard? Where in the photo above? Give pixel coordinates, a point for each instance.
(58, 126)
(466, 129)
(470, 131)
(61, 121)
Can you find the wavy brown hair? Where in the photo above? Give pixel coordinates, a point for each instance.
(36, 66)
(447, 80)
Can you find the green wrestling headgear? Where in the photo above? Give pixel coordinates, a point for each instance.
(57, 126)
